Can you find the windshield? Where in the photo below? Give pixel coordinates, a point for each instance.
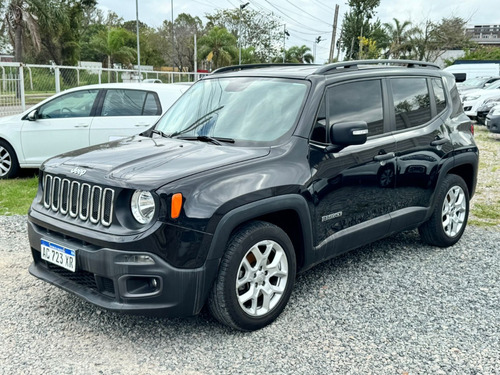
(236, 108)
(493, 86)
(474, 82)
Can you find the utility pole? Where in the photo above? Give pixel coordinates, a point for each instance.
(242, 6)
(195, 58)
(138, 44)
(334, 33)
(173, 42)
(316, 41)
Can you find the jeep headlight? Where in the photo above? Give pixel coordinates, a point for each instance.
(142, 206)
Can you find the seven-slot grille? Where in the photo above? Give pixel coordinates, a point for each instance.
(78, 200)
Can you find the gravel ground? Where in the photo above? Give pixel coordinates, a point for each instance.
(393, 307)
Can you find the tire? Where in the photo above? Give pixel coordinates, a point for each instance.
(9, 166)
(255, 279)
(451, 211)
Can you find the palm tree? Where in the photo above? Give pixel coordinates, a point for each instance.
(19, 18)
(22, 20)
(220, 44)
(116, 44)
(296, 54)
(400, 34)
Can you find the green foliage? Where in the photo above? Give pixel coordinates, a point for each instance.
(118, 44)
(257, 30)
(221, 44)
(296, 55)
(16, 195)
(482, 53)
(358, 24)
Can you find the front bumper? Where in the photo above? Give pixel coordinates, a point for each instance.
(493, 123)
(109, 279)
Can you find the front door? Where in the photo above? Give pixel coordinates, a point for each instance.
(352, 188)
(62, 125)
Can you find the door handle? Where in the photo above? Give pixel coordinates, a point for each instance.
(386, 156)
(82, 126)
(141, 125)
(439, 142)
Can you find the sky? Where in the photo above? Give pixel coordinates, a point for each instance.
(305, 20)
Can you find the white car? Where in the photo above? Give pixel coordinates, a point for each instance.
(81, 117)
(474, 99)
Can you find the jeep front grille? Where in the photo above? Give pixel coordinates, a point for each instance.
(78, 200)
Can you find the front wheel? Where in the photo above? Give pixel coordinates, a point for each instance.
(9, 166)
(255, 279)
(448, 221)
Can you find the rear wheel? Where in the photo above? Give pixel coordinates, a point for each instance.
(9, 166)
(255, 279)
(448, 221)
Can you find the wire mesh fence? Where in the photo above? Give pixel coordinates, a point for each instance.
(25, 85)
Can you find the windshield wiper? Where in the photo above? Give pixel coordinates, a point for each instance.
(203, 119)
(206, 138)
(155, 131)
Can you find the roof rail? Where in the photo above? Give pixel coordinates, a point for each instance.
(354, 64)
(235, 68)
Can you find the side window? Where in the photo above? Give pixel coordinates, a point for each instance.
(411, 102)
(123, 103)
(358, 101)
(437, 86)
(152, 105)
(74, 104)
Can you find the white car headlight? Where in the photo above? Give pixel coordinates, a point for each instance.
(470, 98)
(143, 206)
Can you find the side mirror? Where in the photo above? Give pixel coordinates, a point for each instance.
(33, 115)
(349, 133)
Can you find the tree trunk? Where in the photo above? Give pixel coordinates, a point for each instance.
(18, 44)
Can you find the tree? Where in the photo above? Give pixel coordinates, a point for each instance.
(357, 24)
(20, 21)
(257, 30)
(117, 44)
(432, 39)
(297, 55)
(399, 35)
(221, 45)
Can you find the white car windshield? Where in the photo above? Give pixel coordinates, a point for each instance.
(237, 108)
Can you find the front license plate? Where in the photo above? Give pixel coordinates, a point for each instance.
(59, 255)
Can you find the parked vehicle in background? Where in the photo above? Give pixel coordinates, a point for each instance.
(81, 117)
(475, 84)
(152, 80)
(492, 121)
(485, 108)
(464, 70)
(474, 99)
(256, 173)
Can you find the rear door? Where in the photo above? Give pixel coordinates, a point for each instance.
(124, 113)
(422, 143)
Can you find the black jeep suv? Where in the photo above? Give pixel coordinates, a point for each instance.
(256, 173)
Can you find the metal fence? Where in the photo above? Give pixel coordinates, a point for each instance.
(24, 85)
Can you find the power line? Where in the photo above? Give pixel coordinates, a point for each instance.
(302, 10)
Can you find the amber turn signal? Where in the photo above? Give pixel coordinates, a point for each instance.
(176, 206)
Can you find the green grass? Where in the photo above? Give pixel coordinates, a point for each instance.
(16, 195)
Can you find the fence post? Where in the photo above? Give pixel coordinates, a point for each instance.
(100, 74)
(78, 77)
(21, 87)
(58, 82)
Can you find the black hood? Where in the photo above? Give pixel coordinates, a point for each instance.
(148, 162)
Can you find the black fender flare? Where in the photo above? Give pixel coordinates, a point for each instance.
(253, 210)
